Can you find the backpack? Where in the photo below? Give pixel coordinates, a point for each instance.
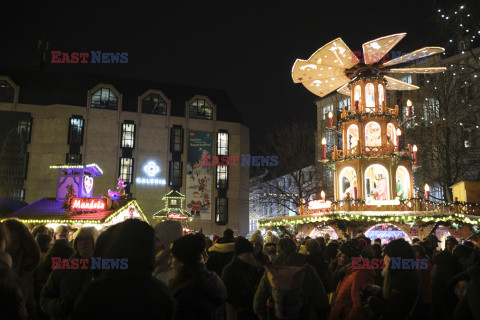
(286, 283)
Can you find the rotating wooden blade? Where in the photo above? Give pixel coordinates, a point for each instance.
(375, 50)
(335, 54)
(344, 90)
(305, 71)
(417, 70)
(415, 55)
(394, 84)
(323, 87)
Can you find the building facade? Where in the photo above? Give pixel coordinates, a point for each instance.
(149, 134)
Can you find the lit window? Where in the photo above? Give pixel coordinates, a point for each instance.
(326, 110)
(431, 109)
(222, 177)
(75, 130)
(128, 135)
(175, 174)
(74, 158)
(345, 103)
(330, 140)
(373, 135)
(402, 183)
(357, 94)
(7, 92)
(407, 79)
(176, 139)
(376, 183)
(154, 104)
(222, 143)
(200, 109)
(104, 98)
(348, 182)
(352, 136)
(221, 211)
(381, 94)
(24, 128)
(391, 134)
(370, 97)
(126, 169)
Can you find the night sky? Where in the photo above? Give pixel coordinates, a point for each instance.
(245, 47)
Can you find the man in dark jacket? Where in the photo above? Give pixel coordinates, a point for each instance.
(315, 302)
(446, 267)
(64, 285)
(197, 292)
(221, 253)
(241, 279)
(131, 293)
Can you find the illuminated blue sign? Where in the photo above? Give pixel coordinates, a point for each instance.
(152, 170)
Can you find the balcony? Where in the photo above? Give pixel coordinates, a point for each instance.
(377, 110)
(370, 151)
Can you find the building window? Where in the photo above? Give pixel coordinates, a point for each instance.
(104, 98)
(175, 174)
(345, 103)
(222, 143)
(407, 79)
(128, 135)
(73, 158)
(126, 170)
(176, 139)
(18, 194)
(24, 128)
(7, 92)
(222, 177)
(200, 109)
(330, 140)
(221, 211)
(431, 109)
(326, 110)
(75, 130)
(154, 104)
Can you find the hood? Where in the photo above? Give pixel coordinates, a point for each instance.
(222, 247)
(290, 259)
(134, 240)
(225, 240)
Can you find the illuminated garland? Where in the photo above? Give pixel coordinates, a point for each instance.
(359, 116)
(395, 159)
(302, 220)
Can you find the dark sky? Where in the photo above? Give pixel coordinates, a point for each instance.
(245, 47)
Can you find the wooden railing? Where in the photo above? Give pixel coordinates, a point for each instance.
(389, 149)
(369, 110)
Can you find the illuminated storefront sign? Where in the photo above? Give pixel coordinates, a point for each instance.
(177, 216)
(152, 170)
(88, 204)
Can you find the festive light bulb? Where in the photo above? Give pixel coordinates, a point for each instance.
(414, 148)
(427, 187)
(324, 141)
(409, 103)
(399, 132)
(322, 194)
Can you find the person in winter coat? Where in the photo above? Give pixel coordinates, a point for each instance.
(165, 233)
(12, 305)
(347, 304)
(64, 285)
(401, 291)
(446, 267)
(261, 258)
(221, 253)
(316, 259)
(425, 277)
(197, 292)
(468, 296)
(126, 293)
(315, 302)
(59, 249)
(25, 258)
(241, 279)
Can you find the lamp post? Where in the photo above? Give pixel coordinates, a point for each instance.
(399, 133)
(414, 149)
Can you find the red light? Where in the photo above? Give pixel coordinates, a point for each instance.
(177, 216)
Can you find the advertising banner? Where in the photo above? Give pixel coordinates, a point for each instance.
(199, 178)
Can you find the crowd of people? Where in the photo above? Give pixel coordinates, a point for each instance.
(172, 275)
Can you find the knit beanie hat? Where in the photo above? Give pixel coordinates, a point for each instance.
(188, 249)
(242, 245)
(168, 231)
(286, 245)
(271, 238)
(349, 249)
(256, 237)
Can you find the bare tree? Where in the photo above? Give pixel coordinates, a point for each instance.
(296, 178)
(445, 129)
